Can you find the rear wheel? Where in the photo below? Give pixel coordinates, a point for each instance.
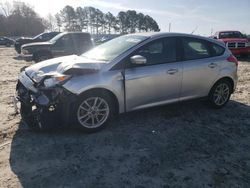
(93, 111)
(220, 94)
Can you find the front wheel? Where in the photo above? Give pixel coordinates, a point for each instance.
(220, 94)
(93, 111)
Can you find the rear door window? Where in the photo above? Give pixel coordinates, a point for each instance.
(67, 40)
(82, 39)
(82, 42)
(195, 49)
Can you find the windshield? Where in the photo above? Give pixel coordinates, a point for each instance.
(230, 34)
(37, 36)
(54, 39)
(113, 48)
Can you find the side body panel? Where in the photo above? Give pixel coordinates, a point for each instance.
(152, 85)
(198, 77)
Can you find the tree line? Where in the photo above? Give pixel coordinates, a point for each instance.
(96, 22)
(20, 19)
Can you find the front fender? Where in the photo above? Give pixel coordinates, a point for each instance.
(111, 80)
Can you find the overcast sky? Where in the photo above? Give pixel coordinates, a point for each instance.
(184, 15)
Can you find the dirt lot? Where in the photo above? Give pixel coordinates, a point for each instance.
(186, 145)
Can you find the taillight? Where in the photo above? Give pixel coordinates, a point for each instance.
(232, 59)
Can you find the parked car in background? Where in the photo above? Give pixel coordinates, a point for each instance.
(235, 41)
(6, 41)
(128, 73)
(39, 38)
(66, 43)
(105, 39)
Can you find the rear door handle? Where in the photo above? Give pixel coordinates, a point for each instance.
(212, 65)
(172, 71)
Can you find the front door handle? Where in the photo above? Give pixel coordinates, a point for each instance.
(212, 65)
(172, 71)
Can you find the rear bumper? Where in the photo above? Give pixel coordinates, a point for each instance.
(241, 51)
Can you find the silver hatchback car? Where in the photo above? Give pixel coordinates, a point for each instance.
(128, 73)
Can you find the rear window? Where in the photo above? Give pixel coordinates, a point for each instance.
(230, 34)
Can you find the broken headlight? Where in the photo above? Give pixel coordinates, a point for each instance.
(55, 79)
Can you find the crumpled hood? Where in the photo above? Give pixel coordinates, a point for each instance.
(61, 65)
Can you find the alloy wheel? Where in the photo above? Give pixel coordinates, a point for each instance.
(93, 112)
(221, 94)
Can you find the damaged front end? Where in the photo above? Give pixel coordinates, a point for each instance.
(43, 107)
(45, 103)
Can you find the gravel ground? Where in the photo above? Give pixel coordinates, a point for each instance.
(184, 145)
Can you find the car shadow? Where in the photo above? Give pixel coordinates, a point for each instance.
(244, 59)
(184, 145)
(18, 57)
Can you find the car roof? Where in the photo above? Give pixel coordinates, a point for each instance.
(169, 34)
(76, 32)
(165, 34)
(53, 32)
(228, 31)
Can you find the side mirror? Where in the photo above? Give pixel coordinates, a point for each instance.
(138, 60)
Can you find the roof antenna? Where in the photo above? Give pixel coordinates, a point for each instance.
(195, 29)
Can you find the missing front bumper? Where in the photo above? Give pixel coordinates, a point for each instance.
(46, 110)
(40, 118)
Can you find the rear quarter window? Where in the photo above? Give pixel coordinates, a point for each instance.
(217, 50)
(82, 39)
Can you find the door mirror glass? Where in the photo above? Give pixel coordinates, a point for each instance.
(138, 60)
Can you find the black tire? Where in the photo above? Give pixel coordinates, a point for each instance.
(42, 56)
(213, 95)
(18, 49)
(87, 96)
(27, 118)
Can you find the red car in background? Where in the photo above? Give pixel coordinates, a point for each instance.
(235, 41)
